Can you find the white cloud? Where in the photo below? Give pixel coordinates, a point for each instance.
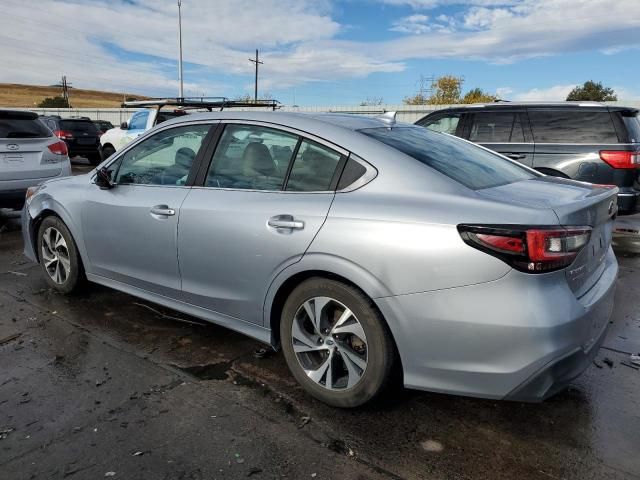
(294, 36)
(551, 94)
(532, 28)
(504, 92)
(429, 4)
(414, 24)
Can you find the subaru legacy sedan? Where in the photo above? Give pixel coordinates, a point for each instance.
(367, 250)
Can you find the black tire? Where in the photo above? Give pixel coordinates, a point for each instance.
(107, 151)
(380, 349)
(95, 159)
(75, 279)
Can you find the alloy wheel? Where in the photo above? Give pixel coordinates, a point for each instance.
(55, 255)
(329, 343)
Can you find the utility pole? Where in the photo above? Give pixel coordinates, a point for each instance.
(181, 94)
(65, 89)
(257, 62)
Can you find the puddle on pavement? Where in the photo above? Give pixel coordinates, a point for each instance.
(212, 371)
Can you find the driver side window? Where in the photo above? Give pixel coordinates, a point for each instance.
(162, 159)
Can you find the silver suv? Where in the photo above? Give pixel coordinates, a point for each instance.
(29, 154)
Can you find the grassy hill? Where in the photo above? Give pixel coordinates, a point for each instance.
(29, 96)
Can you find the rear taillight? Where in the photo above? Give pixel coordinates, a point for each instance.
(63, 134)
(58, 148)
(620, 159)
(532, 250)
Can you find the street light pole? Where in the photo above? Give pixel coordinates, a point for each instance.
(181, 95)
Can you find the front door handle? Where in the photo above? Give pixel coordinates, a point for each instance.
(162, 210)
(516, 156)
(285, 221)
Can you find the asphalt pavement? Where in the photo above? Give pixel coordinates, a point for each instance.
(106, 385)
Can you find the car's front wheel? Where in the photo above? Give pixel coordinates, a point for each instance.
(107, 151)
(59, 256)
(336, 342)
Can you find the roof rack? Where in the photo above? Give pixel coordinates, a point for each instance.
(208, 103)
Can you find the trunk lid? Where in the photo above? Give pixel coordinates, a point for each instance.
(575, 204)
(26, 158)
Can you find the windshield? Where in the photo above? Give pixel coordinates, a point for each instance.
(468, 164)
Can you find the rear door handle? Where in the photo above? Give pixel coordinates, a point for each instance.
(516, 156)
(285, 221)
(162, 210)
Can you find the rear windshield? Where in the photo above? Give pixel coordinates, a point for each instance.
(472, 166)
(19, 125)
(78, 126)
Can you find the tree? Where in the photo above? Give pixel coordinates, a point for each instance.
(53, 102)
(477, 95)
(417, 99)
(446, 90)
(593, 91)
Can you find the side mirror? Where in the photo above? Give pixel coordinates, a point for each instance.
(103, 179)
(124, 126)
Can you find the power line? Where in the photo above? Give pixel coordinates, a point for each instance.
(257, 62)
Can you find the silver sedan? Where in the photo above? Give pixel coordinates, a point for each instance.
(365, 249)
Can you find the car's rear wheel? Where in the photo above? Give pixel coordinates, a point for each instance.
(59, 256)
(107, 151)
(336, 342)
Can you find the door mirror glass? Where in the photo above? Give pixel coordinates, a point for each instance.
(103, 179)
(124, 126)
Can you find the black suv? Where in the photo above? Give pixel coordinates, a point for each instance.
(80, 134)
(585, 141)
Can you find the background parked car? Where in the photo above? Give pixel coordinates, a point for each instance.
(590, 142)
(80, 134)
(103, 125)
(29, 154)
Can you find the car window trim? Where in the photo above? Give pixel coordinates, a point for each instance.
(118, 156)
(292, 160)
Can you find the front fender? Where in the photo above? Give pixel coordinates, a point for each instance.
(42, 204)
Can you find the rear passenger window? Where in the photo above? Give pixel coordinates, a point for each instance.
(313, 168)
(352, 172)
(251, 157)
(496, 127)
(446, 123)
(572, 126)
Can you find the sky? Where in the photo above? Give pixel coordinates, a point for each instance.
(324, 52)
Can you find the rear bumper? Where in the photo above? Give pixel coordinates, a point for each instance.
(521, 337)
(628, 202)
(12, 192)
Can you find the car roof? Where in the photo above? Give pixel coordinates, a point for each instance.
(22, 114)
(311, 122)
(510, 105)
